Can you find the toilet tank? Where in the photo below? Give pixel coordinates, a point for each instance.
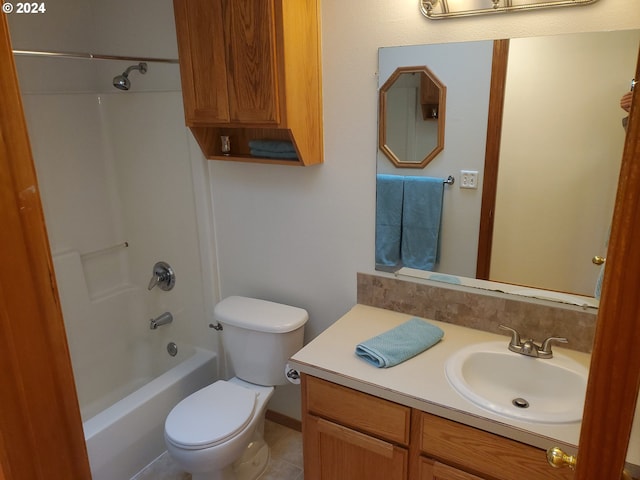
(259, 337)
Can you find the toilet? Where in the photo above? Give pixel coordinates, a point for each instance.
(216, 433)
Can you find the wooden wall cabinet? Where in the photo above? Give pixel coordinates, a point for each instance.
(350, 434)
(251, 70)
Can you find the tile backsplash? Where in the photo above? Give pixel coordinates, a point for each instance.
(480, 310)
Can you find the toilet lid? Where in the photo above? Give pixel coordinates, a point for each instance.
(210, 416)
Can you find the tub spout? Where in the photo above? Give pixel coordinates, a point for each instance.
(163, 319)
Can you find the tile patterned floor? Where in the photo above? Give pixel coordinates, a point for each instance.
(285, 463)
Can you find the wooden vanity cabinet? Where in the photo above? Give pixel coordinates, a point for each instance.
(351, 435)
(251, 70)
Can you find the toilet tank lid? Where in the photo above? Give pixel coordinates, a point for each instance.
(259, 315)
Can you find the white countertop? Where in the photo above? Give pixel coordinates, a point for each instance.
(420, 382)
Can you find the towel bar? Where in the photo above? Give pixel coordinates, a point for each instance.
(450, 180)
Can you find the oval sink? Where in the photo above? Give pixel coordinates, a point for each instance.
(516, 386)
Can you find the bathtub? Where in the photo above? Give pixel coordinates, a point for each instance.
(128, 435)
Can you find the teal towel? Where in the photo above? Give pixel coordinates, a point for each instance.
(399, 344)
(421, 218)
(270, 154)
(273, 146)
(389, 193)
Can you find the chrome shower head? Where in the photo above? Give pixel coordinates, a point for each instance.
(122, 82)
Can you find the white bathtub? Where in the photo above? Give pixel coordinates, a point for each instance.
(128, 435)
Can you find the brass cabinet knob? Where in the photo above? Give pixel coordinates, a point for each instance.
(598, 260)
(557, 458)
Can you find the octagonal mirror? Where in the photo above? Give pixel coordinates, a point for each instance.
(411, 117)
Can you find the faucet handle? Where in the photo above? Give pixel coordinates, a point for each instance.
(545, 348)
(163, 276)
(515, 336)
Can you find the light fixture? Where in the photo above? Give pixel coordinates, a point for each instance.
(438, 9)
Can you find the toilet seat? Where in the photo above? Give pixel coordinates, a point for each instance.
(210, 416)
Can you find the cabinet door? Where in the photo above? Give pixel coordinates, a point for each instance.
(334, 452)
(250, 40)
(203, 70)
(432, 470)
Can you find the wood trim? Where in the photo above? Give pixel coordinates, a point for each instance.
(614, 377)
(382, 116)
(492, 156)
(40, 425)
(284, 420)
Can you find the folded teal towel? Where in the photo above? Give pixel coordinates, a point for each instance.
(270, 154)
(399, 344)
(273, 146)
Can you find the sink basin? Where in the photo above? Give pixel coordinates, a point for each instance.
(516, 386)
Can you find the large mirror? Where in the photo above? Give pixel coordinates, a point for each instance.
(559, 147)
(412, 117)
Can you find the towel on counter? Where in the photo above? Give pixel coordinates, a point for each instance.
(421, 218)
(389, 193)
(400, 343)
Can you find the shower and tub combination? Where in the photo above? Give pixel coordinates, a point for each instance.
(138, 346)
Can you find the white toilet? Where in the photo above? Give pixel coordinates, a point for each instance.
(216, 433)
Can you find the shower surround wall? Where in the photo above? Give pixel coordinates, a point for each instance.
(116, 167)
(115, 174)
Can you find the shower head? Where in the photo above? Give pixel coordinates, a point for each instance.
(122, 82)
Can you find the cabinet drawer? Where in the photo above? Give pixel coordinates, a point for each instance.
(432, 470)
(333, 452)
(476, 451)
(358, 410)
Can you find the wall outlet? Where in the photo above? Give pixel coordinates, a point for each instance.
(468, 179)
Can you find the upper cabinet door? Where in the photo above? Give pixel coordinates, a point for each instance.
(227, 54)
(250, 41)
(201, 42)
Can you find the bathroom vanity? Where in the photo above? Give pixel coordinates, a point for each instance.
(407, 421)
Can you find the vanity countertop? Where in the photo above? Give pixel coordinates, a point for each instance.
(420, 382)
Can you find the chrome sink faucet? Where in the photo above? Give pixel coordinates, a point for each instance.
(529, 347)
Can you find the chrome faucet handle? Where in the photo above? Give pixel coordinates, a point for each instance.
(545, 348)
(515, 336)
(163, 276)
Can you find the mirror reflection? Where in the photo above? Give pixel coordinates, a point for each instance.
(411, 117)
(560, 145)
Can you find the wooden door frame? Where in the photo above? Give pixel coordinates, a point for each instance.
(492, 156)
(614, 377)
(40, 425)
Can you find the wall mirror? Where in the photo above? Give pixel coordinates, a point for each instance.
(559, 147)
(412, 116)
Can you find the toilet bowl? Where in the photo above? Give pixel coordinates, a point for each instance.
(217, 432)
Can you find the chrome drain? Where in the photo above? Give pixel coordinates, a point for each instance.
(172, 348)
(520, 403)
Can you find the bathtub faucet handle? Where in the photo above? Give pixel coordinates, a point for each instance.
(163, 276)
